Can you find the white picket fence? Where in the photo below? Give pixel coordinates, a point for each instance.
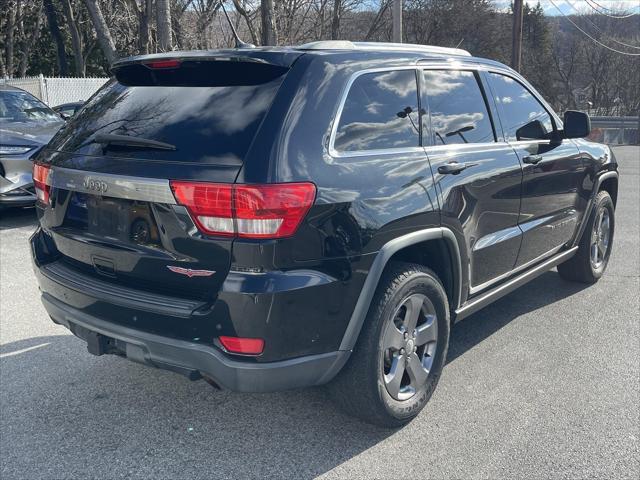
(57, 90)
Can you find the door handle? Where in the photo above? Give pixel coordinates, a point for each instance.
(532, 159)
(452, 168)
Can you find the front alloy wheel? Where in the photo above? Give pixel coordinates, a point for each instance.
(600, 237)
(594, 248)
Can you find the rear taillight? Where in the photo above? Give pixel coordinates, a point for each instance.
(247, 211)
(42, 182)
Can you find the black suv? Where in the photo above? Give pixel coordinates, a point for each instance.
(274, 218)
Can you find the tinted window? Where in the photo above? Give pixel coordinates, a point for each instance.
(207, 124)
(458, 110)
(380, 112)
(523, 117)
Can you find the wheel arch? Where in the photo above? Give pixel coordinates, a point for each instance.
(435, 247)
(605, 181)
(436, 255)
(610, 185)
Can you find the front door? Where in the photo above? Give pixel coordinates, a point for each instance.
(552, 170)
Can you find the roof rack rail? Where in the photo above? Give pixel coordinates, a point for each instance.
(382, 46)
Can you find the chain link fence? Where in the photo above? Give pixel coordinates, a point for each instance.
(58, 90)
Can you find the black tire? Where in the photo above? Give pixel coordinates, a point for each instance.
(361, 388)
(582, 267)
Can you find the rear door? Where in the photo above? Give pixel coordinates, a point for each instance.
(552, 169)
(113, 215)
(481, 201)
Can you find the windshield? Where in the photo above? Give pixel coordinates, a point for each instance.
(19, 106)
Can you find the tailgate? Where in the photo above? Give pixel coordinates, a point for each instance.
(128, 230)
(112, 214)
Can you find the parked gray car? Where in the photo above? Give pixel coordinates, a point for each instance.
(26, 124)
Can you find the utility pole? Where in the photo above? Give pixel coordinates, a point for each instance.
(516, 45)
(397, 21)
(268, 18)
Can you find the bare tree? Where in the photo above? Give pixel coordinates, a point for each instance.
(102, 30)
(163, 22)
(29, 40)
(9, 44)
(76, 39)
(244, 13)
(143, 12)
(384, 6)
(56, 34)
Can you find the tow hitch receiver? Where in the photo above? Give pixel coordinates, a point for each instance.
(98, 344)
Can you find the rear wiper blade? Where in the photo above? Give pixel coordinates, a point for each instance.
(129, 141)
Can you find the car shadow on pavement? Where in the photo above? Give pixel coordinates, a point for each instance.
(548, 288)
(82, 416)
(67, 414)
(17, 217)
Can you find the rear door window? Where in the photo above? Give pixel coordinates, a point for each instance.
(380, 112)
(207, 122)
(458, 110)
(523, 117)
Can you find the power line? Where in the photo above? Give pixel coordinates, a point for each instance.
(600, 30)
(598, 6)
(595, 40)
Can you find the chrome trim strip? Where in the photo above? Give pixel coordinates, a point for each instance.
(480, 302)
(144, 189)
(495, 280)
(497, 237)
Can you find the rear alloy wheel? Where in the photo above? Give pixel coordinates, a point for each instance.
(409, 345)
(397, 361)
(592, 257)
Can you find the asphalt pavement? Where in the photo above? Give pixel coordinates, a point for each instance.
(544, 383)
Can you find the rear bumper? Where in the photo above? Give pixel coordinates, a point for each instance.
(193, 359)
(18, 197)
(17, 200)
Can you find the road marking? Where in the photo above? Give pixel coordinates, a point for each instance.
(17, 352)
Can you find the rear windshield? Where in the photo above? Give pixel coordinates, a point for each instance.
(208, 122)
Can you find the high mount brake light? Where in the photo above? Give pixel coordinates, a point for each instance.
(246, 211)
(42, 182)
(163, 64)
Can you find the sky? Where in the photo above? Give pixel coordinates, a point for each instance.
(568, 7)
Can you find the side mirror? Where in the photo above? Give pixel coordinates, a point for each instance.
(534, 130)
(576, 124)
(64, 116)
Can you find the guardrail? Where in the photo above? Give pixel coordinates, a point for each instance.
(615, 130)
